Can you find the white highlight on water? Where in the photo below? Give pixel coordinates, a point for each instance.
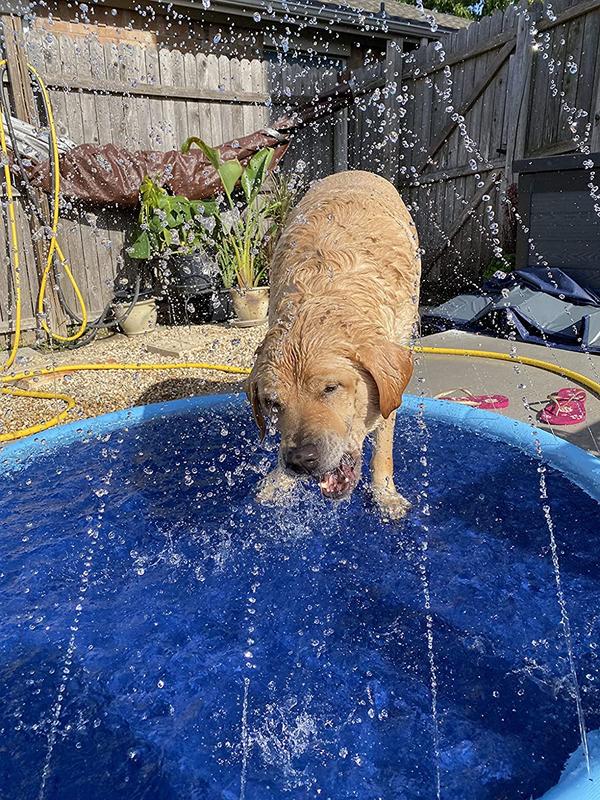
(424, 576)
(68, 662)
(432, 667)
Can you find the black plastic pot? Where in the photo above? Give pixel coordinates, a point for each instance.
(190, 274)
(211, 306)
(193, 290)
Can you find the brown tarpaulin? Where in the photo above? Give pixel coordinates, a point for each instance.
(110, 174)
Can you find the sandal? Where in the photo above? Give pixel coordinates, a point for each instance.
(489, 401)
(565, 407)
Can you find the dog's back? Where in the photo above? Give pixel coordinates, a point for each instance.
(352, 242)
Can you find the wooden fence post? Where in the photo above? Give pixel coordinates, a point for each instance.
(24, 107)
(393, 76)
(519, 93)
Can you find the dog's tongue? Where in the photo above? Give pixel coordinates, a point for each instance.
(335, 482)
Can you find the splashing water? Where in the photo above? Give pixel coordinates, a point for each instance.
(562, 603)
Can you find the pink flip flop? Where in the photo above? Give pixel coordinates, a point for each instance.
(489, 401)
(565, 407)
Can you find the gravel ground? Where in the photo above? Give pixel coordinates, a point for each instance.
(101, 392)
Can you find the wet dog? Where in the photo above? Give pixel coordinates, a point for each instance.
(336, 358)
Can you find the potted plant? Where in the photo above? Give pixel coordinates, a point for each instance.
(135, 311)
(242, 231)
(172, 232)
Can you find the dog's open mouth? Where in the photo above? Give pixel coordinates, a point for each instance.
(339, 482)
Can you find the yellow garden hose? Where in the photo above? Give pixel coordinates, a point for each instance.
(14, 246)
(576, 377)
(54, 248)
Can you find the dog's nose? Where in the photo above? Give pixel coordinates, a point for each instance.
(303, 459)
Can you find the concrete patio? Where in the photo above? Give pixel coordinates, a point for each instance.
(526, 387)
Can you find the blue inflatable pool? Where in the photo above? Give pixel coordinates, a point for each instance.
(164, 637)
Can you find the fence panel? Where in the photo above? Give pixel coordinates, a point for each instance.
(140, 90)
(514, 101)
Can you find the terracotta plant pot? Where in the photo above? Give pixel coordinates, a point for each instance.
(251, 306)
(141, 319)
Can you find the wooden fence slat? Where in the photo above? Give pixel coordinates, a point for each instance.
(466, 215)
(169, 133)
(211, 78)
(588, 63)
(156, 123)
(225, 111)
(180, 122)
(192, 108)
(468, 103)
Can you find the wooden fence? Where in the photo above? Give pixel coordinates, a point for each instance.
(444, 122)
(519, 81)
(115, 83)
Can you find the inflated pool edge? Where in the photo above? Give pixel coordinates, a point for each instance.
(580, 466)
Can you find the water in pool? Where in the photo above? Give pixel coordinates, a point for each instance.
(163, 636)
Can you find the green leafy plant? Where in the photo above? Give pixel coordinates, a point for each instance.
(241, 229)
(506, 263)
(284, 190)
(169, 223)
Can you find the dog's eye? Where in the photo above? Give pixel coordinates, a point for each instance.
(331, 388)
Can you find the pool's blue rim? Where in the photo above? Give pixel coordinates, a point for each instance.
(581, 467)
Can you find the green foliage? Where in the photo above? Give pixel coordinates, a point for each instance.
(468, 10)
(504, 264)
(240, 233)
(169, 223)
(284, 191)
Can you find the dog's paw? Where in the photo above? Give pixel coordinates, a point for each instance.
(390, 503)
(275, 488)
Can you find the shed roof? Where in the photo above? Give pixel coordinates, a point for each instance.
(395, 18)
(404, 11)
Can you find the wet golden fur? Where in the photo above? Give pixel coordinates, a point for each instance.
(344, 297)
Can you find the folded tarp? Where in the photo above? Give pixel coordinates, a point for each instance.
(108, 174)
(111, 174)
(550, 280)
(566, 316)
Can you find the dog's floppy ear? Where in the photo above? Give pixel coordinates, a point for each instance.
(252, 392)
(390, 365)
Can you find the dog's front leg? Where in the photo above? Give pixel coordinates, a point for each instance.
(275, 485)
(391, 503)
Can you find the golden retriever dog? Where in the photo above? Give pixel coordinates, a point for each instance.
(336, 358)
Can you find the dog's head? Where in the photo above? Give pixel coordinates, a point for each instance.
(324, 398)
